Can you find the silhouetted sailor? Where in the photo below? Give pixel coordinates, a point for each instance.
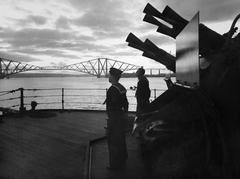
(143, 92)
(168, 81)
(33, 105)
(117, 108)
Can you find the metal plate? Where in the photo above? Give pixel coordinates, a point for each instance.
(187, 63)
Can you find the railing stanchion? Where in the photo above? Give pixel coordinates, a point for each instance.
(22, 108)
(62, 98)
(155, 95)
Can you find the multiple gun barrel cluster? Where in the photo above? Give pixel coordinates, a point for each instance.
(192, 130)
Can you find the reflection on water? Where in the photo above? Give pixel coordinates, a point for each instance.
(79, 92)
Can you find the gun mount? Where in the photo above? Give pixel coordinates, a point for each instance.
(192, 129)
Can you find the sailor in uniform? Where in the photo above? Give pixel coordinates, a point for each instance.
(117, 108)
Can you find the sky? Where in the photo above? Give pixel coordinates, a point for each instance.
(63, 32)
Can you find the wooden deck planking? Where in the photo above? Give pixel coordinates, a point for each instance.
(47, 147)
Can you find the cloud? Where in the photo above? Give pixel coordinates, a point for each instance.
(101, 22)
(49, 52)
(38, 20)
(17, 57)
(47, 42)
(59, 64)
(63, 23)
(106, 18)
(221, 10)
(34, 37)
(122, 53)
(108, 6)
(52, 43)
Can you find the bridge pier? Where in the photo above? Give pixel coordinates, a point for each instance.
(2, 75)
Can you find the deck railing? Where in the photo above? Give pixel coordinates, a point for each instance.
(63, 98)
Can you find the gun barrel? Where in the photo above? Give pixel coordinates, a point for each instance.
(150, 50)
(158, 50)
(136, 46)
(150, 19)
(131, 38)
(169, 16)
(170, 13)
(150, 10)
(170, 66)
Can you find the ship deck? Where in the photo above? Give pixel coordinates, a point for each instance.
(55, 144)
(99, 160)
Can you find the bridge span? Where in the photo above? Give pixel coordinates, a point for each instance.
(98, 67)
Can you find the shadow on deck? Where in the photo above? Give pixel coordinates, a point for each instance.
(98, 160)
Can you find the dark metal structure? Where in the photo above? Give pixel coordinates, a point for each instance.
(192, 130)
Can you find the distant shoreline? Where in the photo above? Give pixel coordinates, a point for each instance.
(43, 75)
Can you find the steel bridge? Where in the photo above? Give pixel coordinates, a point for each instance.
(9, 67)
(98, 67)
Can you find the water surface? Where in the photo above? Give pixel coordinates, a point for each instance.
(79, 92)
